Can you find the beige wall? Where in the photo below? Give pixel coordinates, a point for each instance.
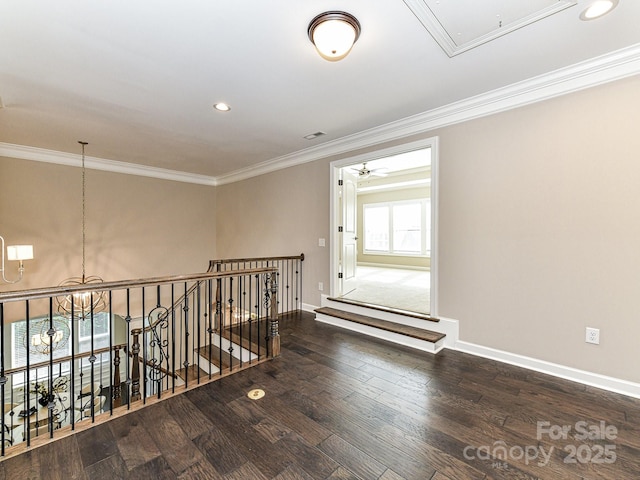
(539, 227)
(281, 213)
(136, 226)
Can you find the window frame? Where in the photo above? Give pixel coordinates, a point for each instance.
(425, 230)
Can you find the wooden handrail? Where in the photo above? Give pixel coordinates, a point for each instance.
(253, 259)
(65, 359)
(153, 366)
(19, 295)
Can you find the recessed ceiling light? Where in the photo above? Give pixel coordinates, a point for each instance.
(222, 107)
(597, 9)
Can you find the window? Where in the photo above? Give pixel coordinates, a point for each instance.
(19, 342)
(100, 332)
(398, 228)
(376, 222)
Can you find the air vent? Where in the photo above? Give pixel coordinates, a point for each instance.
(311, 136)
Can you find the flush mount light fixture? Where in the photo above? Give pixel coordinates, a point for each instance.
(333, 34)
(222, 107)
(597, 9)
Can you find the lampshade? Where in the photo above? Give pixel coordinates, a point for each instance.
(20, 252)
(333, 34)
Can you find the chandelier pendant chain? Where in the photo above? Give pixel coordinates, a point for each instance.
(83, 211)
(82, 305)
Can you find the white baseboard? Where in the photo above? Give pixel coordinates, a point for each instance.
(393, 265)
(597, 380)
(306, 307)
(612, 384)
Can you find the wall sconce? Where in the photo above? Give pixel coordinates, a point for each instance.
(333, 34)
(16, 253)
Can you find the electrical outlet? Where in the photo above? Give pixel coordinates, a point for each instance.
(320, 286)
(593, 335)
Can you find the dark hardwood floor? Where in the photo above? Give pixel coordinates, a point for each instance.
(342, 406)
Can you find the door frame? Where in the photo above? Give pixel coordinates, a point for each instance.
(334, 205)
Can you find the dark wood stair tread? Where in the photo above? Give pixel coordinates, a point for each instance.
(213, 355)
(414, 332)
(192, 372)
(251, 336)
(381, 308)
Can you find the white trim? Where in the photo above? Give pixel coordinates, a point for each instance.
(23, 152)
(335, 167)
(448, 326)
(590, 73)
(597, 380)
(307, 307)
(606, 68)
(393, 265)
(400, 339)
(434, 254)
(432, 24)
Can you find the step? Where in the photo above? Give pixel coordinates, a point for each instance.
(380, 308)
(213, 355)
(192, 371)
(246, 335)
(408, 335)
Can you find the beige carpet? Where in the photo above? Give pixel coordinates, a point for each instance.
(392, 287)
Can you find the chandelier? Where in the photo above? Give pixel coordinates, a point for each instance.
(81, 305)
(48, 336)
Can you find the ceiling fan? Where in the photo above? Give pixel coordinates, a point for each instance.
(365, 172)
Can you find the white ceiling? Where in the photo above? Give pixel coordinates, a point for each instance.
(137, 80)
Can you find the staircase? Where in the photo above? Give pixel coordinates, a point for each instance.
(411, 329)
(234, 347)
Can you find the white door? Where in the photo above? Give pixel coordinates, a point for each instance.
(349, 230)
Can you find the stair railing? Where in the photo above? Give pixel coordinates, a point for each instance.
(174, 331)
(288, 277)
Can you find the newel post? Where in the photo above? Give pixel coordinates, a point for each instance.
(116, 396)
(135, 368)
(274, 334)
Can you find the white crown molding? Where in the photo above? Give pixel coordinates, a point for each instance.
(597, 380)
(23, 152)
(607, 68)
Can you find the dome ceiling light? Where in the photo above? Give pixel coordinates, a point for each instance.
(333, 34)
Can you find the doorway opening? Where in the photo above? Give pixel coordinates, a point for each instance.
(383, 246)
